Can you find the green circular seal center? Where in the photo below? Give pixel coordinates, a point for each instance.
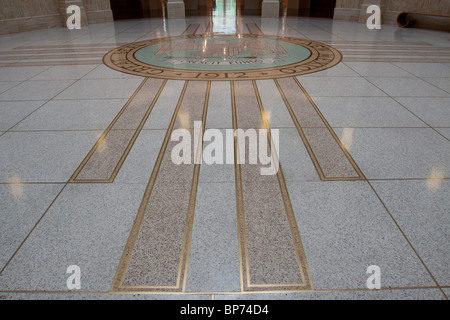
(222, 53)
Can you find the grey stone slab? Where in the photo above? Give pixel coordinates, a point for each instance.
(163, 110)
(22, 207)
(378, 69)
(20, 73)
(44, 156)
(72, 115)
(219, 107)
(344, 230)
(445, 132)
(101, 89)
(64, 72)
(13, 112)
(407, 87)
(99, 296)
(36, 90)
(434, 111)
(339, 87)
(383, 153)
(139, 163)
(274, 107)
(441, 83)
(87, 226)
(425, 69)
(366, 112)
(397, 294)
(214, 254)
(6, 85)
(421, 210)
(294, 159)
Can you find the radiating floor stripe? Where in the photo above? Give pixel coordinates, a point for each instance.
(107, 156)
(270, 249)
(329, 156)
(254, 29)
(157, 252)
(191, 29)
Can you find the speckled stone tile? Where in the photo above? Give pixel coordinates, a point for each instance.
(345, 229)
(277, 116)
(36, 90)
(407, 87)
(6, 85)
(390, 153)
(330, 156)
(397, 294)
(43, 156)
(366, 112)
(104, 160)
(339, 87)
(101, 89)
(433, 111)
(421, 209)
(87, 226)
(12, 113)
(71, 115)
(301, 106)
(22, 207)
(139, 163)
(214, 256)
(20, 73)
(103, 163)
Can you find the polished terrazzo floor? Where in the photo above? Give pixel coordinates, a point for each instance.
(86, 177)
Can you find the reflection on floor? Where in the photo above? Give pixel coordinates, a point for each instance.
(87, 176)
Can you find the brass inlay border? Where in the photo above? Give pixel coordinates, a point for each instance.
(74, 178)
(117, 285)
(242, 234)
(251, 26)
(322, 57)
(189, 30)
(315, 161)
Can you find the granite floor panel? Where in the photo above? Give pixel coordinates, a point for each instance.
(90, 172)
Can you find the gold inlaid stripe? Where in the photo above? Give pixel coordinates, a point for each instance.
(253, 29)
(328, 155)
(104, 160)
(191, 29)
(268, 261)
(162, 230)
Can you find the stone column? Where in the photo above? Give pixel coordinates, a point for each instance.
(64, 4)
(175, 9)
(270, 9)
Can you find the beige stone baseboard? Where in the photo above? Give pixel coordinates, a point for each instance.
(99, 16)
(49, 21)
(346, 14)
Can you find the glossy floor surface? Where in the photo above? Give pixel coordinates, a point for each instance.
(87, 176)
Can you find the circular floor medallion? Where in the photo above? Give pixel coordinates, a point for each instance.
(222, 57)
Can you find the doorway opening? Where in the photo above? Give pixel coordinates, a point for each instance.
(308, 8)
(137, 9)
